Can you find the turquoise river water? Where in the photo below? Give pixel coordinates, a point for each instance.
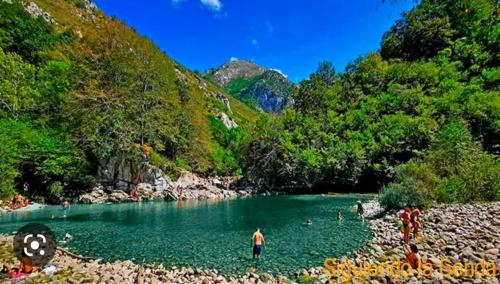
(208, 234)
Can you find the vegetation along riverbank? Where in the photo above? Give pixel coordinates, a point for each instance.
(91, 111)
(87, 101)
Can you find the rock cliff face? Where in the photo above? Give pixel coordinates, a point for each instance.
(263, 89)
(120, 181)
(123, 174)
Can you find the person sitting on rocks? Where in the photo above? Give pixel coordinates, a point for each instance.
(405, 217)
(133, 196)
(415, 222)
(412, 256)
(24, 268)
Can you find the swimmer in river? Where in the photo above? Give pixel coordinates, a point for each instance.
(257, 242)
(340, 217)
(309, 222)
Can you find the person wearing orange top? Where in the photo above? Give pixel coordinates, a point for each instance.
(25, 265)
(257, 242)
(406, 225)
(412, 256)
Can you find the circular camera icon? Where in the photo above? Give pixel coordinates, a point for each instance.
(35, 243)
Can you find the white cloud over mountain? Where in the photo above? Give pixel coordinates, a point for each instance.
(214, 5)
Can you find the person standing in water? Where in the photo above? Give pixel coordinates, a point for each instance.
(360, 210)
(257, 242)
(65, 208)
(340, 217)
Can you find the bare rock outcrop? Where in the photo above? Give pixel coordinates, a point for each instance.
(36, 11)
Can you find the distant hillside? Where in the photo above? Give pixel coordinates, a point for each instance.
(78, 87)
(261, 88)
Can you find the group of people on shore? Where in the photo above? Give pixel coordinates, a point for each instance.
(19, 201)
(411, 219)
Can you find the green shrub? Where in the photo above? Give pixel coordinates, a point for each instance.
(156, 159)
(56, 189)
(447, 190)
(306, 279)
(397, 196)
(454, 169)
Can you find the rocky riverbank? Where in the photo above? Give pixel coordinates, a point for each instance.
(466, 233)
(460, 233)
(188, 186)
(74, 269)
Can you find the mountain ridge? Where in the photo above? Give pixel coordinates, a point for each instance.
(264, 89)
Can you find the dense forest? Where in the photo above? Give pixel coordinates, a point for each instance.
(419, 118)
(78, 87)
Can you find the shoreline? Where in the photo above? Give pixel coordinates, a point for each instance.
(460, 232)
(127, 271)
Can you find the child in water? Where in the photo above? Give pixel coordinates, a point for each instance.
(65, 208)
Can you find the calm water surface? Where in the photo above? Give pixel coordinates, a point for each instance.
(208, 234)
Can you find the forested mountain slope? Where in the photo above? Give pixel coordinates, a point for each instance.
(78, 87)
(422, 113)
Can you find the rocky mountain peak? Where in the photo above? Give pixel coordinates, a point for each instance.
(235, 69)
(262, 88)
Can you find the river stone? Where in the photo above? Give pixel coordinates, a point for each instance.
(266, 277)
(118, 196)
(97, 195)
(144, 191)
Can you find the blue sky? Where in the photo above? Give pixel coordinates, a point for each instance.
(289, 35)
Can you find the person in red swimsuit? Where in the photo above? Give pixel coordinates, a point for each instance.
(406, 225)
(415, 221)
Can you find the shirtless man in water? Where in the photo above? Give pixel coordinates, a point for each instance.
(257, 242)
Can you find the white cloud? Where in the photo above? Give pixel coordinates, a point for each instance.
(215, 5)
(255, 43)
(279, 71)
(176, 2)
(232, 59)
